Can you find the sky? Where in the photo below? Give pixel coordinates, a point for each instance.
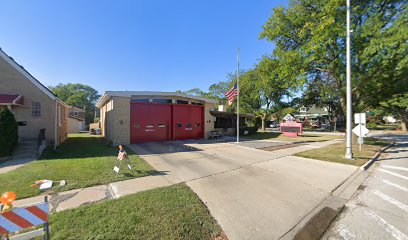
(134, 45)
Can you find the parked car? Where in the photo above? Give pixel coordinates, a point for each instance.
(274, 124)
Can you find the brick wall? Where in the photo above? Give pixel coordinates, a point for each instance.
(13, 82)
(120, 120)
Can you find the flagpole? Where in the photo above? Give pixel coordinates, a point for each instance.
(238, 98)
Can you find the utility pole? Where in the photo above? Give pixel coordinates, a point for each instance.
(349, 151)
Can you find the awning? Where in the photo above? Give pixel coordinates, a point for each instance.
(6, 99)
(230, 114)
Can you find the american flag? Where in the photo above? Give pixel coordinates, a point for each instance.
(231, 94)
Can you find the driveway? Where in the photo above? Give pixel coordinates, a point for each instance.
(252, 193)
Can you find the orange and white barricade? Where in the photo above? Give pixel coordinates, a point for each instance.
(22, 218)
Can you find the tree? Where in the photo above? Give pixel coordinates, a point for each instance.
(78, 95)
(398, 105)
(263, 87)
(310, 42)
(8, 132)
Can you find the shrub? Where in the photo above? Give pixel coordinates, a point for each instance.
(8, 132)
(251, 130)
(371, 125)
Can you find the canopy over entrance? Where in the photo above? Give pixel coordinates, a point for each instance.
(6, 99)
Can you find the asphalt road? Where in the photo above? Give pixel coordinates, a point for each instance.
(379, 210)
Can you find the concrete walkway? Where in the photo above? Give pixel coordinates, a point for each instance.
(24, 153)
(14, 164)
(78, 197)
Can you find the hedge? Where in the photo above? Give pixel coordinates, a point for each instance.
(250, 130)
(8, 132)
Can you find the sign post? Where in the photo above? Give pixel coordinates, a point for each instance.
(360, 130)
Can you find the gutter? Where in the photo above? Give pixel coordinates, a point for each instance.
(56, 125)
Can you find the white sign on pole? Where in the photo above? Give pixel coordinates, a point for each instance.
(359, 118)
(360, 130)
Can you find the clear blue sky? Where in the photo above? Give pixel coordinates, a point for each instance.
(134, 45)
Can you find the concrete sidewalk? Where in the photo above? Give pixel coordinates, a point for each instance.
(14, 164)
(78, 197)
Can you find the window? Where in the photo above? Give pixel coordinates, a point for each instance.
(76, 113)
(303, 109)
(59, 116)
(36, 109)
(162, 100)
(188, 125)
(178, 124)
(139, 100)
(181, 102)
(196, 103)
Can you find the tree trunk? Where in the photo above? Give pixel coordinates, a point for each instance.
(263, 123)
(404, 121)
(404, 126)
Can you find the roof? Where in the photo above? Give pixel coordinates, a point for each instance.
(230, 114)
(129, 94)
(77, 118)
(6, 99)
(73, 108)
(313, 110)
(25, 73)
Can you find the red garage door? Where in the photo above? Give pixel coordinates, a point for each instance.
(152, 122)
(188, 122)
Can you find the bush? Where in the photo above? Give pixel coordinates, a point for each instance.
(251, 130)
(8, 132)
(371, 125)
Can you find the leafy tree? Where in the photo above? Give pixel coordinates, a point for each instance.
(310, 43)
(398, 105)
(78, 95)
(263, 88)
(8, 132)
(281, 113)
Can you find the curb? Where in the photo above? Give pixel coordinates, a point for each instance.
(376, 157)
(315, 224)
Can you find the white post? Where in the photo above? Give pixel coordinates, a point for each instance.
(361, 137)
(238, 99)
(349, 151)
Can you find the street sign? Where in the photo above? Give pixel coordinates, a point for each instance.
(360, 130)
(359, 118)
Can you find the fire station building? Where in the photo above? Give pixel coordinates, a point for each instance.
(128, 117)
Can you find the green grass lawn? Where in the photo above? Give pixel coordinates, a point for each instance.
(173, 212)
(391, 127)
(82, 160)
(336, 152)
(302, 138)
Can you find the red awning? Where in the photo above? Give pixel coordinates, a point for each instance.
(6, 99)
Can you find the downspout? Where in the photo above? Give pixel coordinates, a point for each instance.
(56, 125)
